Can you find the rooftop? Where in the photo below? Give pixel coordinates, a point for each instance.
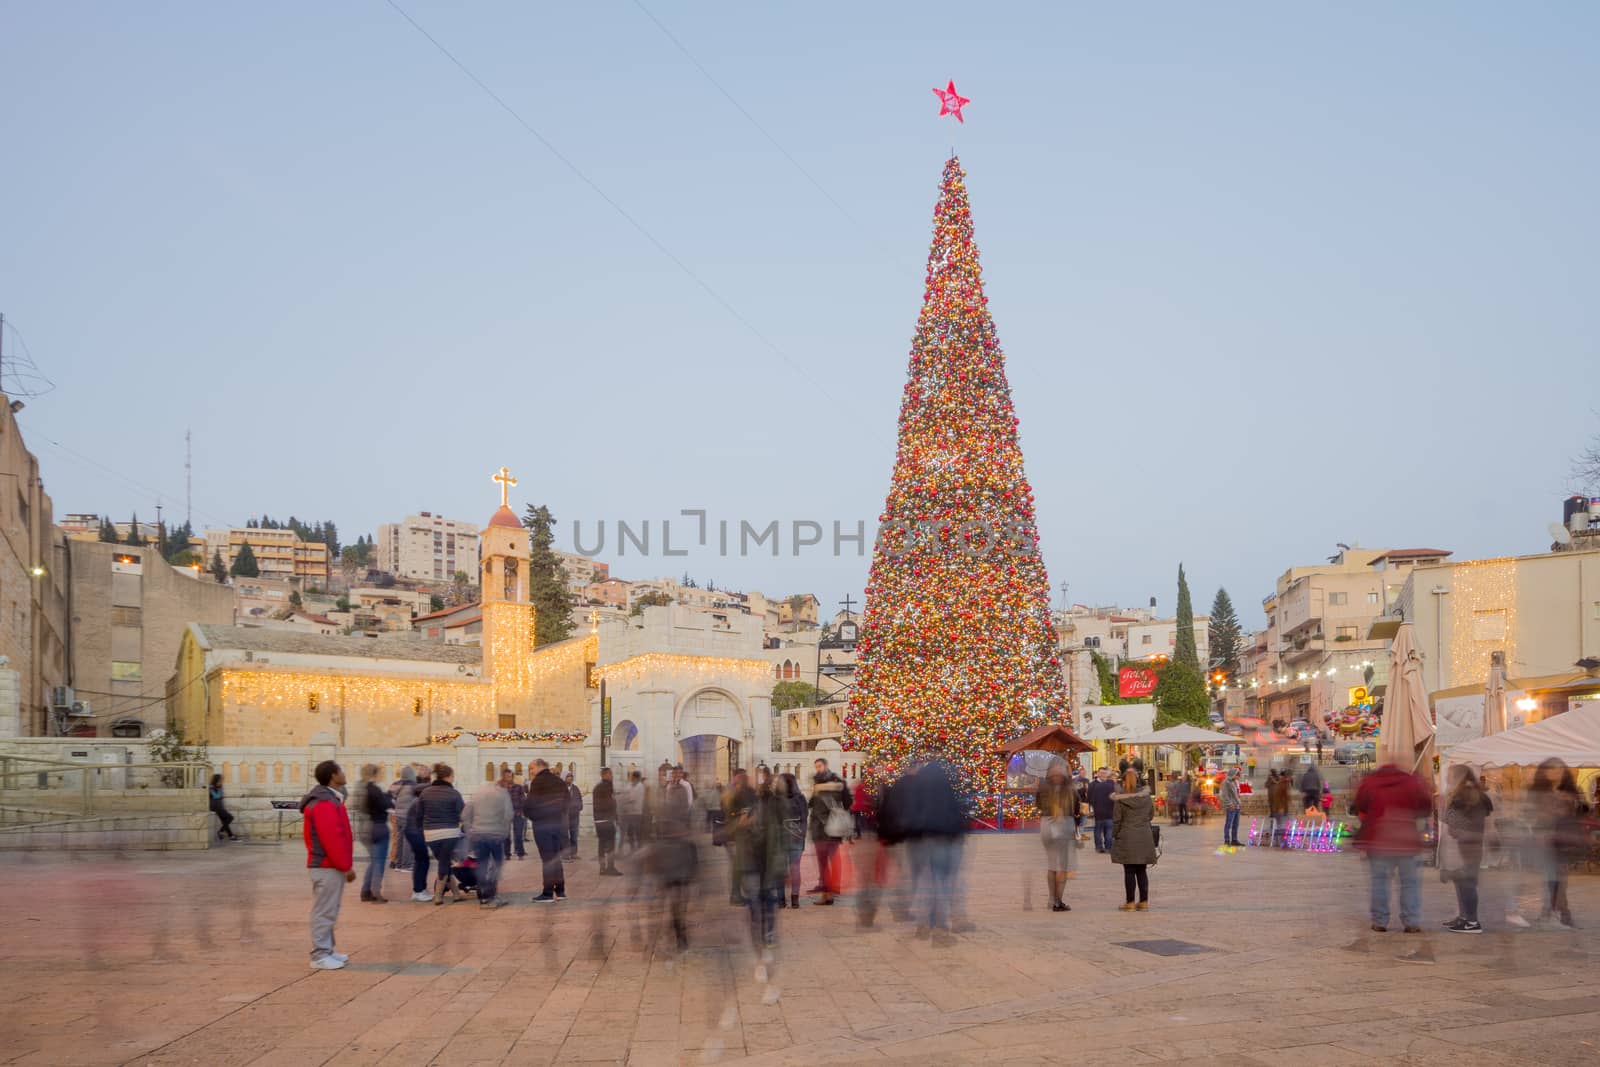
(253, 639)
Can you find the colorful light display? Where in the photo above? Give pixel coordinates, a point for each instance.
(957, 649)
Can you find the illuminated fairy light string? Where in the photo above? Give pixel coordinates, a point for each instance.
(287, 690)
(1483, 618)
(657, 664)
(957, 648)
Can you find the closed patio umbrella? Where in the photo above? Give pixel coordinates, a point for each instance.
(1494, 700)
(1406, 723)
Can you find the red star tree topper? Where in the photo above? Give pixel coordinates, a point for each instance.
(951, 102)
(957, 650)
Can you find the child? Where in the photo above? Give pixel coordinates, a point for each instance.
(1327, 800)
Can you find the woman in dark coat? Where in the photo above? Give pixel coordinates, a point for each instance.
(1465, 815)
(1133, 843)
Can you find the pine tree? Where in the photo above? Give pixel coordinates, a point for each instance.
(244, 563)
(547, 579)
(1185, 650)
(219, 570)
(108, 531)
(1226, 635)
(134, 536)
(957, 648)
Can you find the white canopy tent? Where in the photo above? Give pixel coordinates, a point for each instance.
(1573, 737)
(1185, 734)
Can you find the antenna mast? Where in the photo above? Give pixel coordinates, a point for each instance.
(188, 480)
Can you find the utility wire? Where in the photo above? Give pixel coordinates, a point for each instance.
(141, 487)
(615, 206)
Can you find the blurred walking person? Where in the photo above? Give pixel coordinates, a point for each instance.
(1466, 812)
(605, 822)
(330, 855)
(375, 806)
(404, 793)
(547, 811)
(1559, 834)
(1277, 806)
(934, 823)
(630, 807)
(487, 822)
(418, 843)
(574, 812)
(214, 801)
(754, 818)
(1058, 822)
(1101, 806)
(1390, 802)
(1177, 800)
(1311, 785)
(1133, 841)
(794, 833)
(511, 782)
(831, 823)
(438, 810)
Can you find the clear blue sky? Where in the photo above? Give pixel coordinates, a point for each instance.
(1267, 277)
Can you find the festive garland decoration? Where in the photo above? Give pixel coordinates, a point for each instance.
(538, 737)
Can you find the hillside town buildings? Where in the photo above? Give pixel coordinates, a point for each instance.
(427, 547)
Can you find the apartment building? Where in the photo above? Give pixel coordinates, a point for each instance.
(428, 547)
(581, 571)
(129, 611)
(33, 603)
(1542, 612)
(278, 553)
(1318, 649)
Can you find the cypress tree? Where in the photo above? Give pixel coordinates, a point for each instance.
(547, 579)
(1185, 650)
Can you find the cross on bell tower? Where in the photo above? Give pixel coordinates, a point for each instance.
(506, 482)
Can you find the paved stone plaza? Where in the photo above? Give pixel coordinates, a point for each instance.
(202, 959)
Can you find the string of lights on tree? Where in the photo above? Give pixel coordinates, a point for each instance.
(957, 648)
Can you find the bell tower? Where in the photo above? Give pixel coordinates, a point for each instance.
(508, 618)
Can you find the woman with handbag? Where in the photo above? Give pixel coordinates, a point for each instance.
(794, 833)
(1057, 801)
(1465, 815)
(1133, 841)
(831, 823)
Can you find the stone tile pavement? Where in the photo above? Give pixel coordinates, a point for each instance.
(201, 958)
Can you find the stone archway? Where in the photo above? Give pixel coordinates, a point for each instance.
(714, 733)
(625, 737)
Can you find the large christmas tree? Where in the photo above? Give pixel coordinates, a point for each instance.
(957, 650)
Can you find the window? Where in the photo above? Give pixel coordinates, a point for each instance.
(1335, 599)
(508, 722)
(1372, 598)
(1345, 633)
(1144, 639)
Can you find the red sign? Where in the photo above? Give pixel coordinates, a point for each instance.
(1136, 682)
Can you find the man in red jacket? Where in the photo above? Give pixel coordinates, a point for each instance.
(1390, 802)
(330, 855)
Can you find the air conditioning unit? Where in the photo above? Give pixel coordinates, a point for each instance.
(61, 696)
(80, 710)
